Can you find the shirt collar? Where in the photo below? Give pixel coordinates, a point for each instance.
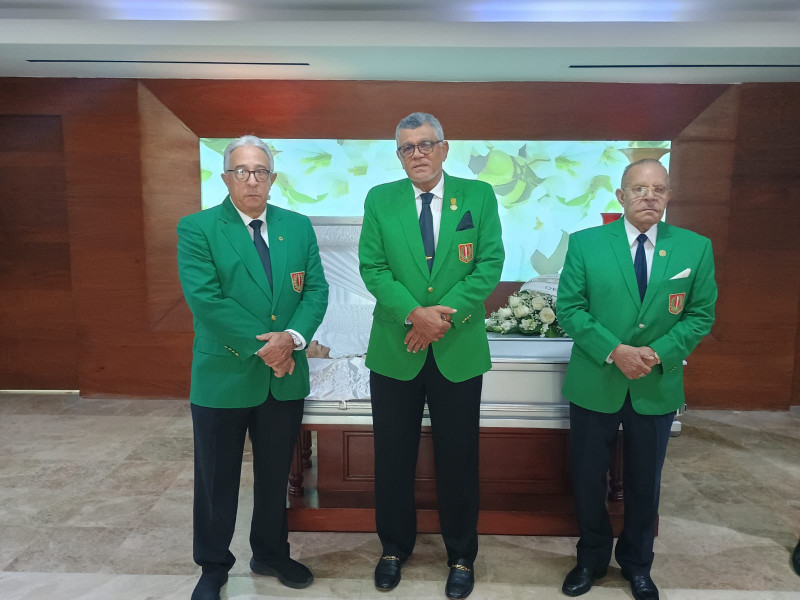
(437, 191)
(247, 219)
(633, 233)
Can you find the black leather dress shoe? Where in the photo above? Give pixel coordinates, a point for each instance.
(208, 586)
(289, 572)
(796, 558)
(642, 586)
(580, 580)
(461, 579)
(387, 573)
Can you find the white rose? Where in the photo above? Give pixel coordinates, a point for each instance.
(508, 325)
(528, 324)
(537, 303)
(522, 311)
(547, 315)
(514, 301)
(504, 313)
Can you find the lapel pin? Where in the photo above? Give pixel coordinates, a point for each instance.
(662, 252)
(280, 239)
(453, 205)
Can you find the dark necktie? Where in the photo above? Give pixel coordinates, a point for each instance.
(262, 248)
(640, 266)
(426, 227)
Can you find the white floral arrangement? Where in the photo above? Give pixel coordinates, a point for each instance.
(528, 313)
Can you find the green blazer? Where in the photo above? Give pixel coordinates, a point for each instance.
(466, 269)
(599, 306)
(230, 298)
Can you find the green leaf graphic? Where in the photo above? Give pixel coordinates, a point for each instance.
(218, 145)
(549, 265)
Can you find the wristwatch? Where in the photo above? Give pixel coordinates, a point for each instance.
(298, 343)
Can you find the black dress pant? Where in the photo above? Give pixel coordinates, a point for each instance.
(397, 408)
(219, 435)
(593, 436)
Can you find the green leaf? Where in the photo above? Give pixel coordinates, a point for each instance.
(549, 265)
(612, 156)
(601, 182)
(317, 161)
(218, 145)
(295, 196)
(565, 164)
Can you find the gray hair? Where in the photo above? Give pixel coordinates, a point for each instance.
(418, 119)
(642, 162)
(246, 140)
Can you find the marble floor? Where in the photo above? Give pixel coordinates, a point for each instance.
(95, 503)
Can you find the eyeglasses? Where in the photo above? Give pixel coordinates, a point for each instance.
(426, 147)
(243, 175)
(640, 191)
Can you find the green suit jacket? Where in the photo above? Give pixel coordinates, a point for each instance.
(230, 298)
(466, 268)
(599, 306)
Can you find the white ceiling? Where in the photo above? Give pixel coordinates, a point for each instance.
(681, 41)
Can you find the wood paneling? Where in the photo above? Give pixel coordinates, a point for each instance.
(37, 326)
(170, 189)
(516, 462)
(371, 109)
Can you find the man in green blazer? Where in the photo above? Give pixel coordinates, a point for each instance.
(252, 277)
(637, 296)
(430, 252)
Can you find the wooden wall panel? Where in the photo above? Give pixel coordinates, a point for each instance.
(37, 327)
(170, 189)
(119, 353)
(371, 109)
(762, 275)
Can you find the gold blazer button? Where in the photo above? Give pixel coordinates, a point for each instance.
(274, 318)
(430, 289)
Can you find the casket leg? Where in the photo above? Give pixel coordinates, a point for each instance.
(305, 436)
(296, 470)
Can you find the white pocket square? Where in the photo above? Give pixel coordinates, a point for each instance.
(682, 275)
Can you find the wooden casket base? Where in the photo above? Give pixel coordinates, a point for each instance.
(525, 483)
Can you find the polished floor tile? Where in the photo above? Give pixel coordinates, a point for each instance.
(96, 504)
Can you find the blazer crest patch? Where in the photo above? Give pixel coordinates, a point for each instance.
(676, 302)
(297, 281)
(465, 253)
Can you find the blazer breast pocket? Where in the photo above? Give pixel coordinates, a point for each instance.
(677, 285)
(674, 293)
(466, 222)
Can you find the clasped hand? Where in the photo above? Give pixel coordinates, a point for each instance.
(428, 324)
(277, 352)
(634, 362)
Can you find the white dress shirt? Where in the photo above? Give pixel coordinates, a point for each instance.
(247, 220)
(649, 245)
(436, 206)
(299, 340)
